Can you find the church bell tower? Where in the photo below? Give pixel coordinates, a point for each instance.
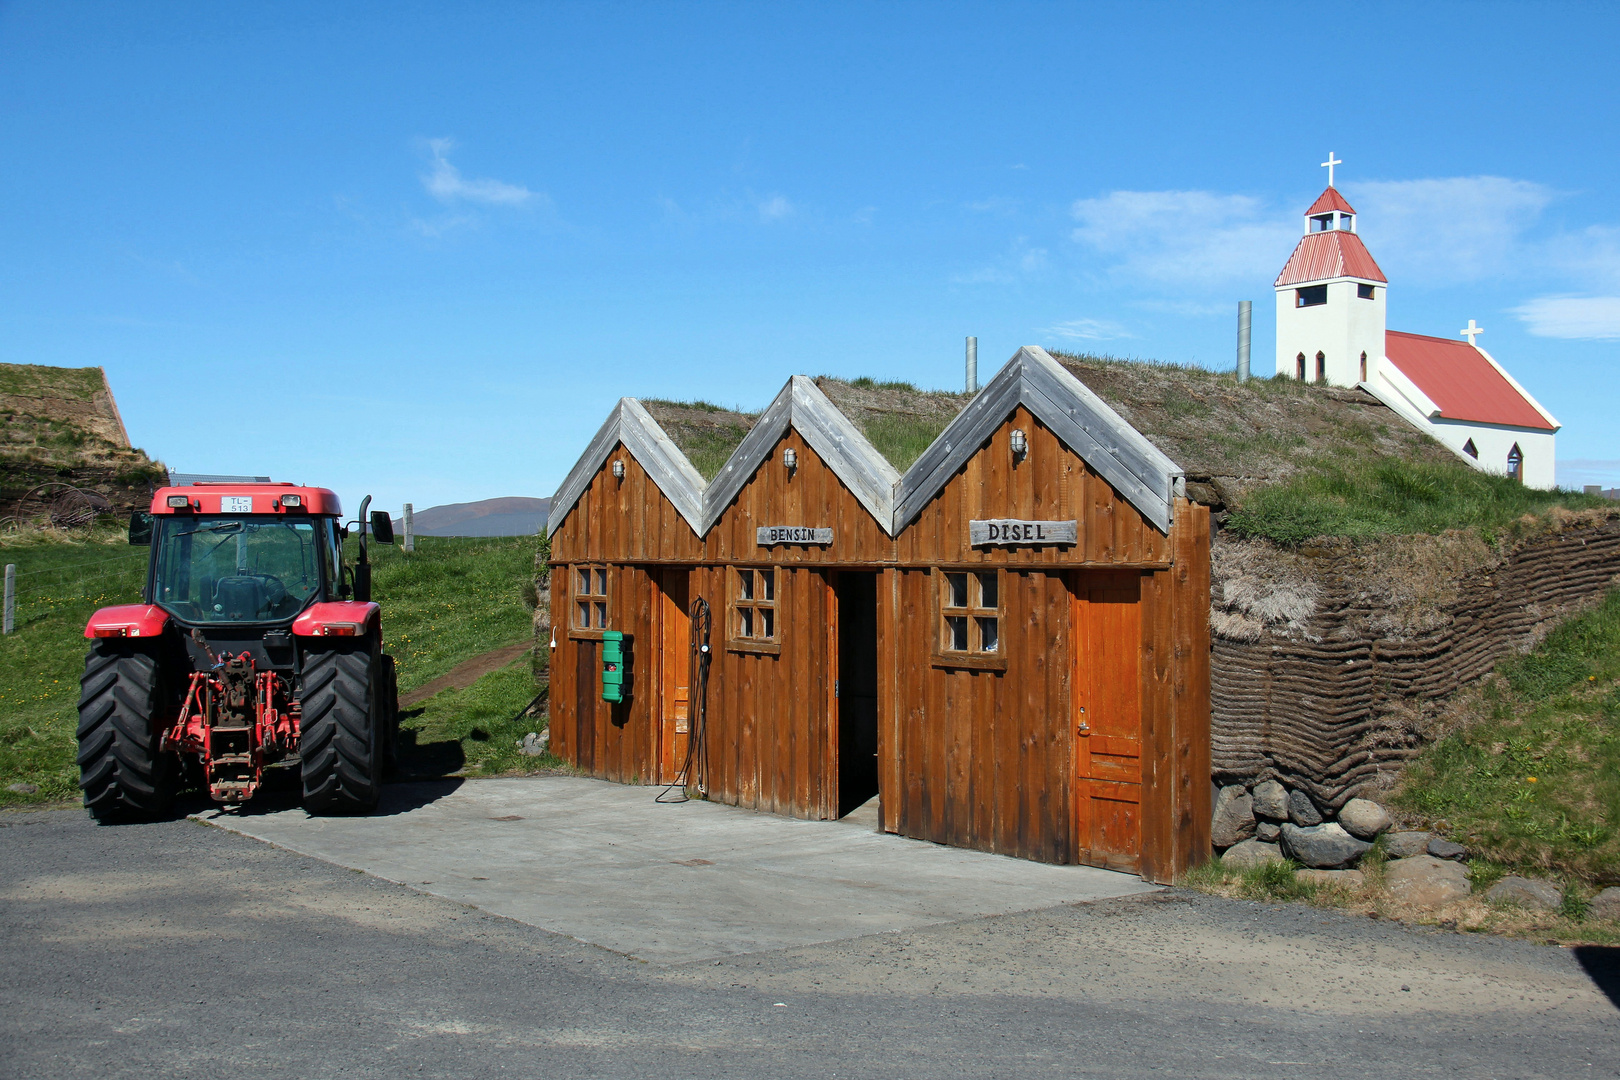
(1330, 298)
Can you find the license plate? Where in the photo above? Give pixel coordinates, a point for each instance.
(236, 504)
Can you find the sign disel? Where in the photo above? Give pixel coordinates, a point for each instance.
(792, 534)
(1006, 532)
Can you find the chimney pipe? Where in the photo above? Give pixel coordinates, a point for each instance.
(973, 365)
(1245, 314)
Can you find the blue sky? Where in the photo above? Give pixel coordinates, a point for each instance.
(420, 250)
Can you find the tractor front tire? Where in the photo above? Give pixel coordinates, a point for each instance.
(122, 770)
(343, 744)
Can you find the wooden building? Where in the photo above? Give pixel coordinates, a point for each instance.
(1009, 643)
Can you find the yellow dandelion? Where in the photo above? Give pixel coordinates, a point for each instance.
(1530, 779)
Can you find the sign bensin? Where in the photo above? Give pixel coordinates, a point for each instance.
(1013, 532)
(771, 535)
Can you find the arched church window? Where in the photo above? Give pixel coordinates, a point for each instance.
(1471, 450)
(1515, 463)
(1299, 367)
(1363, 367)
(1321, 368)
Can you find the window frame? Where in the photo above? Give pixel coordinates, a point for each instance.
(736, 603)
(939, 611)
(1365, 291)
(603, 598)
(1306, 296)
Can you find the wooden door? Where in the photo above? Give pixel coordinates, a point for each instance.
(1106, 710)
(674, 709)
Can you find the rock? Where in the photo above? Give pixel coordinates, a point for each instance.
(1234, 817)
(1364, 819)
(1404, 845)
(1271, 801)
(1605, 905)
(1301, 811)
(1532, 893)
(1344, 879)
(23, 789)
(1249, 854)
(1445, 849)
(1322, 847)
(534, 744)
(1268, 831)
(1425, 881)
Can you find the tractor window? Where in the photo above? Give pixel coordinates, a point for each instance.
(236, 569)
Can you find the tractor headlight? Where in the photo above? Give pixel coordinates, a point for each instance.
(293, 501)
(179, 502)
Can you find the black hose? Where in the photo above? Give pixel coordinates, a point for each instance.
(697, 709)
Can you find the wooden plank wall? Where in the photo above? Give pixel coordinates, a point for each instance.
(624, 521)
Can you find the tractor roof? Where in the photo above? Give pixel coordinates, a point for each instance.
(267, 499)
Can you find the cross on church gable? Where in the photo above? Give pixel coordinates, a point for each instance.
(1470, 331)
(1328, 165)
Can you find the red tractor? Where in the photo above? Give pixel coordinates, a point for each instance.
(256, 647)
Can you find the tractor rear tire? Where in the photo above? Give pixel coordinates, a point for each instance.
(124, 774)
(343, 741)
(390, 716)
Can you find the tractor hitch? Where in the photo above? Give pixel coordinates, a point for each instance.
(237, 720)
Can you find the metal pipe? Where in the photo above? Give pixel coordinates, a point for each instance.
(1245, 318)
(973, 365)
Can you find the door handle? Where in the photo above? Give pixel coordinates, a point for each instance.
(1085, 729)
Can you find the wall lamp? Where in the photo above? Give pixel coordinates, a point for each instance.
(790, 458)
(1020, 443)
(618, 468)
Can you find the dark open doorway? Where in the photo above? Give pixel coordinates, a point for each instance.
(857, 689)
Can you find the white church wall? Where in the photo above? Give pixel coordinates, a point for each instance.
(1494, 443)
(1341, 329)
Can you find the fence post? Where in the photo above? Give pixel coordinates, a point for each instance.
(11, 598)
(410, 530)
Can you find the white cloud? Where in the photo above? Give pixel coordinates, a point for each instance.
(1589, 317)
(1458, 228)
(446, 183)
(1196, 238)
(1087, 330)
(774, 208)
(1591, 255)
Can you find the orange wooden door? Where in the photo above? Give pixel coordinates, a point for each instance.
(674, 674)
(1107, 717)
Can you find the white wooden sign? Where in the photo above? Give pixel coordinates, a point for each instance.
(793, 534)
(1009, 532)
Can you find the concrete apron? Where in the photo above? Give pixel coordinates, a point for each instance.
(605, 864)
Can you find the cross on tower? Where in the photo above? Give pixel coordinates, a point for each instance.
(1328, 165)
(1468, 331)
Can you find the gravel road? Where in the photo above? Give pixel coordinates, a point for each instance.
(181, 950)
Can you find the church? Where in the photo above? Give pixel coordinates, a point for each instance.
(1331, 329)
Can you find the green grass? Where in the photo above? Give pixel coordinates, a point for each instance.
(1531, 780)
(1386, 495)
(866, 382)
(475, 731)
(451, 600)
(902, 439)
(709, 450)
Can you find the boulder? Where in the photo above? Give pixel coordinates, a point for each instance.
(1426, 882)
(1364, 819)
(1271, 801)
(1301, 811)
(535, 743)
(21, 788)
(1344, 879)
(1249, 854)
(1269, 831)
(1322, 847)
(1233, 819)
(1404, 845)
(1605, 905)
(1532, 893)
(1441, 848)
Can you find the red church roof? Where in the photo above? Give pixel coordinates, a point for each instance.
(1458, 378)
(1331, 254)
(1330, 200)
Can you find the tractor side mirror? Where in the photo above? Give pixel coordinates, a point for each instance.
(140, 529)
(382, 527)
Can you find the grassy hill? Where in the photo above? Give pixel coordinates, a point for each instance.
(452, 600)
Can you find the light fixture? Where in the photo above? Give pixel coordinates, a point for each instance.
(618, 468)
(179, 502)
(1020, 443)
(293, 501)
(790, 458)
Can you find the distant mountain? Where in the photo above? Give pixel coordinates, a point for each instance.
(490, 517)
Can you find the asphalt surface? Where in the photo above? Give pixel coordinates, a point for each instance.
(179, 949)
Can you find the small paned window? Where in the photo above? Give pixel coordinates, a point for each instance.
(1310, 296)
(1470, 449)
(590, 598)
(1364, 292)
(1515, 463)
(753, 606)
(969, 612)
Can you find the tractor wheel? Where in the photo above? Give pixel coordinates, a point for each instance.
(343, 739)
(123, 773)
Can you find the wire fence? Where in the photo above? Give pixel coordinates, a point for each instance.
(33, 593)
